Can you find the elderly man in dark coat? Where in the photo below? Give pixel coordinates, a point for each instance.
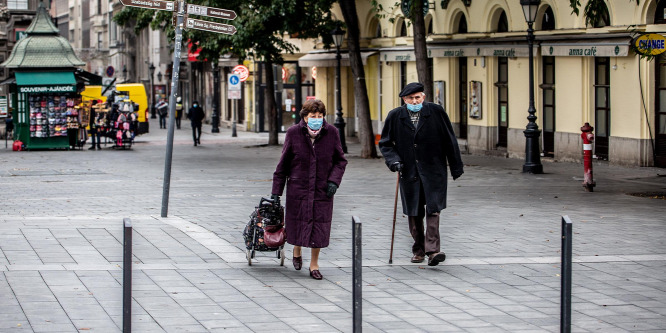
(311, 166)
(417, 141)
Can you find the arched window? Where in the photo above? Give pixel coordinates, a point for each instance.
(598, 16)
(548, 20)
(660, 14)
(403, 28)
(378, 30)
(462, 25)
(429, 28)
(503, 23)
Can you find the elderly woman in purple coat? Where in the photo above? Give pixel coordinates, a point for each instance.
(311, 166)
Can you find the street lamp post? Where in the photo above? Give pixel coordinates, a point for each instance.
(532, 132)
(338, 35)
(216, 99)
(152, 95)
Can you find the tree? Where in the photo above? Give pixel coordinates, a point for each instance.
(365, 132)
(593, 12)
(263, 27)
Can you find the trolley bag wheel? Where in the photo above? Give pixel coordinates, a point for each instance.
(248, 255)
(281, 256)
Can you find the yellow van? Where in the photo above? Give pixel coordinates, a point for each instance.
(136, 92)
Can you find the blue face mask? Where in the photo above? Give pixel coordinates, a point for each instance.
(414, 107)
(315, 123)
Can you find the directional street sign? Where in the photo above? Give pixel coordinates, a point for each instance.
(150, 4)
(210, 26)
(211, 12)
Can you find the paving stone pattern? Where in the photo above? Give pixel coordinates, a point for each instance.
(61, 246)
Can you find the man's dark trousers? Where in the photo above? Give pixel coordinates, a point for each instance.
(428, 243)
(196, 127)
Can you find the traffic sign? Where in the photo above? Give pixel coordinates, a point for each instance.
(150, 4)
(233, 86)
(211, 12)
(210, 26)
(110, 71)
(242, 72)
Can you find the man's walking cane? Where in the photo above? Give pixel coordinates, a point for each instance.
(395, 207)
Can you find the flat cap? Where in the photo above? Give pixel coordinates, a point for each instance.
(411, 88)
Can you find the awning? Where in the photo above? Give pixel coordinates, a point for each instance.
(328, 59)
(616, 47)
(88, 78)
(45, 82)
(44, 78)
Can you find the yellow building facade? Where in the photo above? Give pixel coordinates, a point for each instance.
(479, 55)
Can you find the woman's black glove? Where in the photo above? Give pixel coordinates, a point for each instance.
(396, 166)
(275, 198)
(332, 188)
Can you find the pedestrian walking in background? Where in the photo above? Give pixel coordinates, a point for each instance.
(162, 111)
(9, 125)
(196, 115)
(179, 111)
(93, 124)
(311, 167)
(417, 141)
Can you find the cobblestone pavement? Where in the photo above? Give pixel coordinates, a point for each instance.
(61, 246)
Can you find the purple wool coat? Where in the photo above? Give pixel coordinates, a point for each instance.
(306, 168)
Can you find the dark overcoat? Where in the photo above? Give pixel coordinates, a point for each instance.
(424, 151)
(306, 168)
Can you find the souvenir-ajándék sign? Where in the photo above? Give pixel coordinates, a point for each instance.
(650, 44)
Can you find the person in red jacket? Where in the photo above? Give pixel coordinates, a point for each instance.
(311, 167)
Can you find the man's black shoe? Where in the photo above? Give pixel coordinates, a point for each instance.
(435, 258)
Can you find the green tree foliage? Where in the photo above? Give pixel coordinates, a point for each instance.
(261, 29)
(593, 12)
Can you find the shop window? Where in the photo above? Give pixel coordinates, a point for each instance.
(462, 25)
(660, 13)
(503, 23)
(548, 20)
(502, 85)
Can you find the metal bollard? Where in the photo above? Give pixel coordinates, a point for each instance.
(127, 275)
(565, 293)
(356, 273)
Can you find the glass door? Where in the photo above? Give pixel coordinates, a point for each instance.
(502, 101)
(660, 114)
(462, 96)
(548, 92)
(601, 107)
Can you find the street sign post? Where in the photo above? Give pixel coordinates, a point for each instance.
(234, 92)
(210, 12)
(150, 4)
(210, 26)
(179, 6)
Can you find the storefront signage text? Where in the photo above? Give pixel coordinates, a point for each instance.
(51, 89)
(650, 44)
(505, 53)
(588, 52)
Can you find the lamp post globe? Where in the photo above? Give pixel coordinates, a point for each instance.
(152, 95)
(532, 132)
(338, 35)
